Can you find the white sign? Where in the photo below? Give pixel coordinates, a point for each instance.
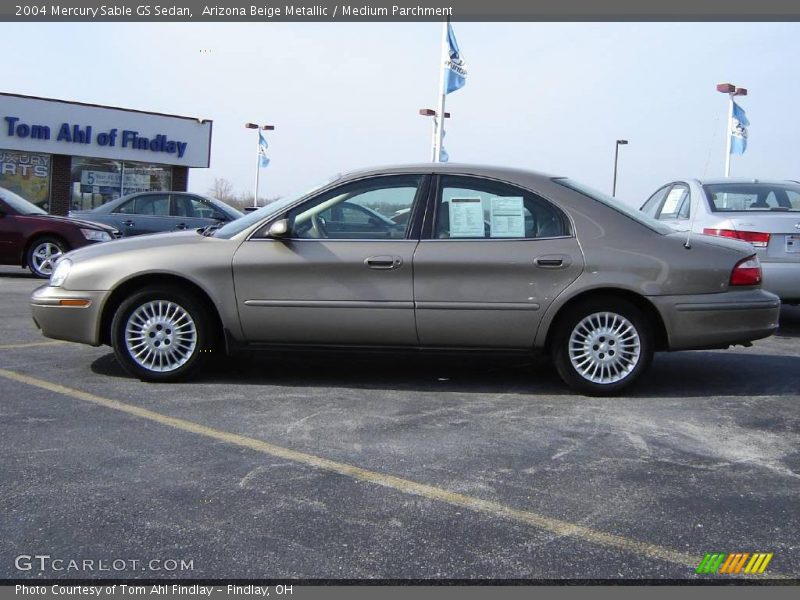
(507, 217)
(466, 217)
(59, 127)
(107, 179)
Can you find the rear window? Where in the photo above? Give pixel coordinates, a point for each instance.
(616, 205)
(747, 197)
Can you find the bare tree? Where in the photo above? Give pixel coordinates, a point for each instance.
(222, 190)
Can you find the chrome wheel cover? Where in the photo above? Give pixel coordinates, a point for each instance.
(44, 257)
(160, 336)
(604, 347)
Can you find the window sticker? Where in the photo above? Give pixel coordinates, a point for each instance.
(466, 217)
(507, 217)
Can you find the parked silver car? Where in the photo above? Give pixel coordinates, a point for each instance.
(489, 259)
(154, 212)
(764, 213)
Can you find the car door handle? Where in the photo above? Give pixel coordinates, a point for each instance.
(383, 262)
(180, 226)
(128, 223)
(552, 262)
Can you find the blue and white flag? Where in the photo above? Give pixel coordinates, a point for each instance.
(262, 150)
(739, 125)
(455, 72)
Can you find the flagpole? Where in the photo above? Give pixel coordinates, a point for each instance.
(258, 167)
(728, 143)
(439, 118)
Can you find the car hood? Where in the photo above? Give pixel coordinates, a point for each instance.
(139, 242)
(72, 221)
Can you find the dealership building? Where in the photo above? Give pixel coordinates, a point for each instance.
(64, 155)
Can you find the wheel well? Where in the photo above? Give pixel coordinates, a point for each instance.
(36, 238)
(660, 339)
(123, 291)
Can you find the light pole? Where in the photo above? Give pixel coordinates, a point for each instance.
(731, 90)
(259, 128)
(429, 112)
(616, 160)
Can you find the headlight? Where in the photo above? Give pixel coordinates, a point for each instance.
(60, 273)
(95, 235)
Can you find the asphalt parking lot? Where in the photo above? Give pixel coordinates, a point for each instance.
(311, 467)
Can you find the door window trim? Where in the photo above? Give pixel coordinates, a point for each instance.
(421, 198)
(434, 201)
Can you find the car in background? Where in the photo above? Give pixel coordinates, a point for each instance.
(765, 214)
(154, 212)
(562, 270)
(29, 237)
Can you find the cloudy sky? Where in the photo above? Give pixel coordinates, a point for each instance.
(545, 96)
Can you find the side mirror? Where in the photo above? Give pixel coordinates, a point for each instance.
(279, 229)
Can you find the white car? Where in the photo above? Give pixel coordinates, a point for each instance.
(764, 213)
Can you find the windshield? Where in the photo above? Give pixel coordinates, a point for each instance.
(242, 223)
(753, 196)
(617, 205)
(19, 204)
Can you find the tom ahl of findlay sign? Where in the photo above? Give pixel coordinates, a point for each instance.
(83, 134)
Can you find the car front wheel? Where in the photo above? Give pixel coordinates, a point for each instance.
(43, 254)
(602, 346)
(161, 335)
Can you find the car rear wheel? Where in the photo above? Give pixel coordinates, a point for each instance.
(602, 346)
(161, 334)
(43, 254)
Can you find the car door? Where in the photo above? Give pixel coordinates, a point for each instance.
(11, 236)
(325, 286)
(491, 260)
(146, 213)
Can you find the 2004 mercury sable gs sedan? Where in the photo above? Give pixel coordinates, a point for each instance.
(489, 259)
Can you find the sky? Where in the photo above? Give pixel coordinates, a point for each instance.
(551, 97)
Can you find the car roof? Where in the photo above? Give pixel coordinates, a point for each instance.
(491, 171)
(735, 180)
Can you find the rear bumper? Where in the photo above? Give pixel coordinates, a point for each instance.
(71, 323)
(783, 279)
(705, 321)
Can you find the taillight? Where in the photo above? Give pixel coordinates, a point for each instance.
(747, 272)
(758, 239)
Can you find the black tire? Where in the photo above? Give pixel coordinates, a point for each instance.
(40, 267)
(597, 345)
(171, 342)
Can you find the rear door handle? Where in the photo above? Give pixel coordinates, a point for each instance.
(180, 226)
(128, 223)
(552, 262)
(383, 262)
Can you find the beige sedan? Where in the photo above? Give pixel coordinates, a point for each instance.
(489, 259)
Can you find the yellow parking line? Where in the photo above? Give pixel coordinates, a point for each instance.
(489, 507)
(31, 345)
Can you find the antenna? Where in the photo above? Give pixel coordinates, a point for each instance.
(688, 243)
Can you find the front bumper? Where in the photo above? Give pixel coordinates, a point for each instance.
(705, 321)
(71, 323)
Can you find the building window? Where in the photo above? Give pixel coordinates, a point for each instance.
(96, 181)
(27, 175)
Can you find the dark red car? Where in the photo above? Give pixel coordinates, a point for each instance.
(29, 237)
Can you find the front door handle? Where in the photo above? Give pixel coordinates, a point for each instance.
(128, 223)
(383, 262)
(180, 226)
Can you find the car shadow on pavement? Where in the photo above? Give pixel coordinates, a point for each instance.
(21, 274)
(789, 322)
(680, 374)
